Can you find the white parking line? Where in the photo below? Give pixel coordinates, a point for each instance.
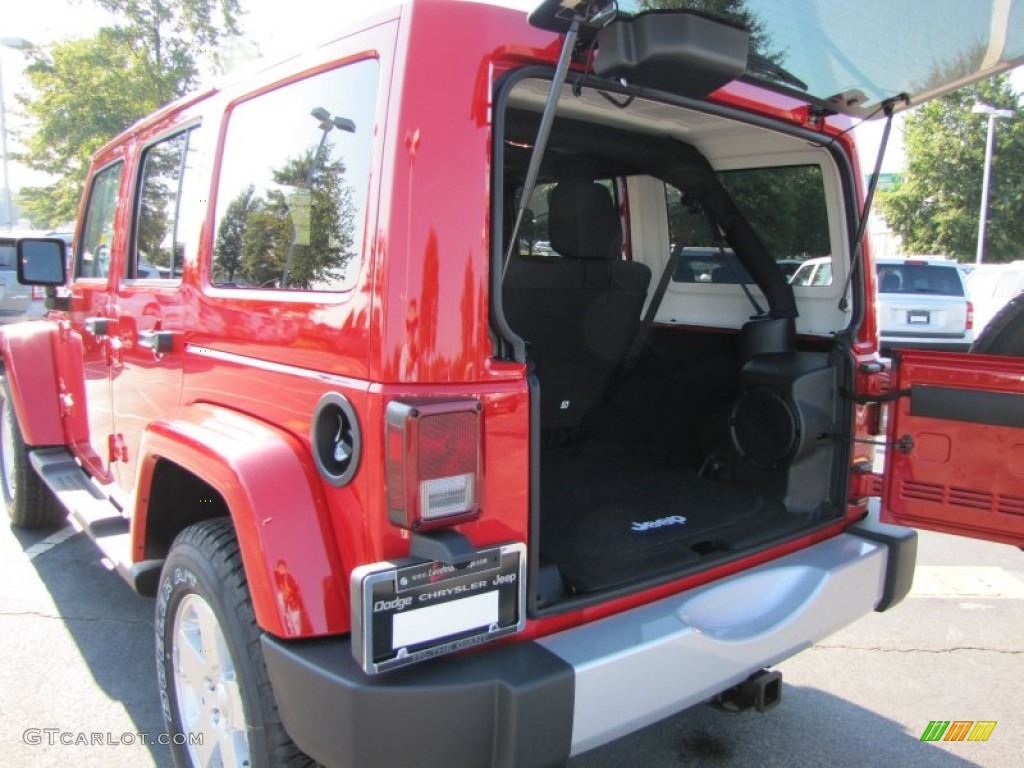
(50, 542)
(979, 581)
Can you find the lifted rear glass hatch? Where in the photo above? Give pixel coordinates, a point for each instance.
(849, 57)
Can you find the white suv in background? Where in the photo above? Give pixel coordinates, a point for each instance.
(922, 303)
(991, 286)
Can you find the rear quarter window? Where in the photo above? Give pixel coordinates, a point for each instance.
(785, 205)
(292, 191)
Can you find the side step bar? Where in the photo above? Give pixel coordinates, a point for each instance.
(94, 513)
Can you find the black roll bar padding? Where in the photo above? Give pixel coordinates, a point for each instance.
(695, 178)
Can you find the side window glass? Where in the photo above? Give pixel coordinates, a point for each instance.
(786, 207)
(706, 257)
(98, 229)
(291, 197)
(162, 225)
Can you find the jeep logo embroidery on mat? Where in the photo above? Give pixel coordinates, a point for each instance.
(659, 523)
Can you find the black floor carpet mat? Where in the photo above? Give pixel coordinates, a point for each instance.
(610, 517)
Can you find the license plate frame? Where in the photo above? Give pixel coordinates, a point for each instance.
(410, 610)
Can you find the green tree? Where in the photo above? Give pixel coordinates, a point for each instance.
(268, 233)
(86, 91)
(306, 217)
(227, 253)
(785, 206)
(331, 220)
(935, 210)
(173, 35)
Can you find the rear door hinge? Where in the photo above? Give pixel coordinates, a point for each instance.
(118, 448)
(816, 116)
(67, 405)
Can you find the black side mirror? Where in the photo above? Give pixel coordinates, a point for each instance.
(42, 261)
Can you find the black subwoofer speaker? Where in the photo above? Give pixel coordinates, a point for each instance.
(782, 426)
(764, 427)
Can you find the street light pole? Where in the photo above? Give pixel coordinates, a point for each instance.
(18, 43)
(327, 124)
(993, 113)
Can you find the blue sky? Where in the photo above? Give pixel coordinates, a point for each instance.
(270, 26)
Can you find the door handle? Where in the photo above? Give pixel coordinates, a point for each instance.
(161, 342)
(99, 326)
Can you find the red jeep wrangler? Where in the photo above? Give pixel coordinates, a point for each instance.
(447, 377)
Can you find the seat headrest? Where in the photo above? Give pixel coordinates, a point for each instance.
(890, 283)
(583, 222)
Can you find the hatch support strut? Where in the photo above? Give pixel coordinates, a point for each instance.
(597, 18)
(887, 107)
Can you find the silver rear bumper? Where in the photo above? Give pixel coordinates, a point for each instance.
(637, 667)
(533, 703)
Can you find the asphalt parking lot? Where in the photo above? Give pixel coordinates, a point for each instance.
(78, 659)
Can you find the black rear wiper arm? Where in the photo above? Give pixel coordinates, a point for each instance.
(765, 67)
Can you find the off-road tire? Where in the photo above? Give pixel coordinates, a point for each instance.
(30, 504)
(205, 562)
(1004, 334)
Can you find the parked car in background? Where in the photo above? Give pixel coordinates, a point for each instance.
(813, 272)
(17, 302)
(990, 287)
(922, 303)
(711, 265)
(789, 266)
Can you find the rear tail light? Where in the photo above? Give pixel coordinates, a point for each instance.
(970, 316)
(433, 463)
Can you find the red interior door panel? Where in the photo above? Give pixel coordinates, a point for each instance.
(955, 461)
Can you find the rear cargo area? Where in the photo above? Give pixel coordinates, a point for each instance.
(611, 516)
(712, 432)
(688, 463)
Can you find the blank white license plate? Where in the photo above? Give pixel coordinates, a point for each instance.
(425, 624)
(918, 316)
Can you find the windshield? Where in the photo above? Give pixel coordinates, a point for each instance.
(854, 55)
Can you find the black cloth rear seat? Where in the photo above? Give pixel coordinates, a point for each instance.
(579, 311)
